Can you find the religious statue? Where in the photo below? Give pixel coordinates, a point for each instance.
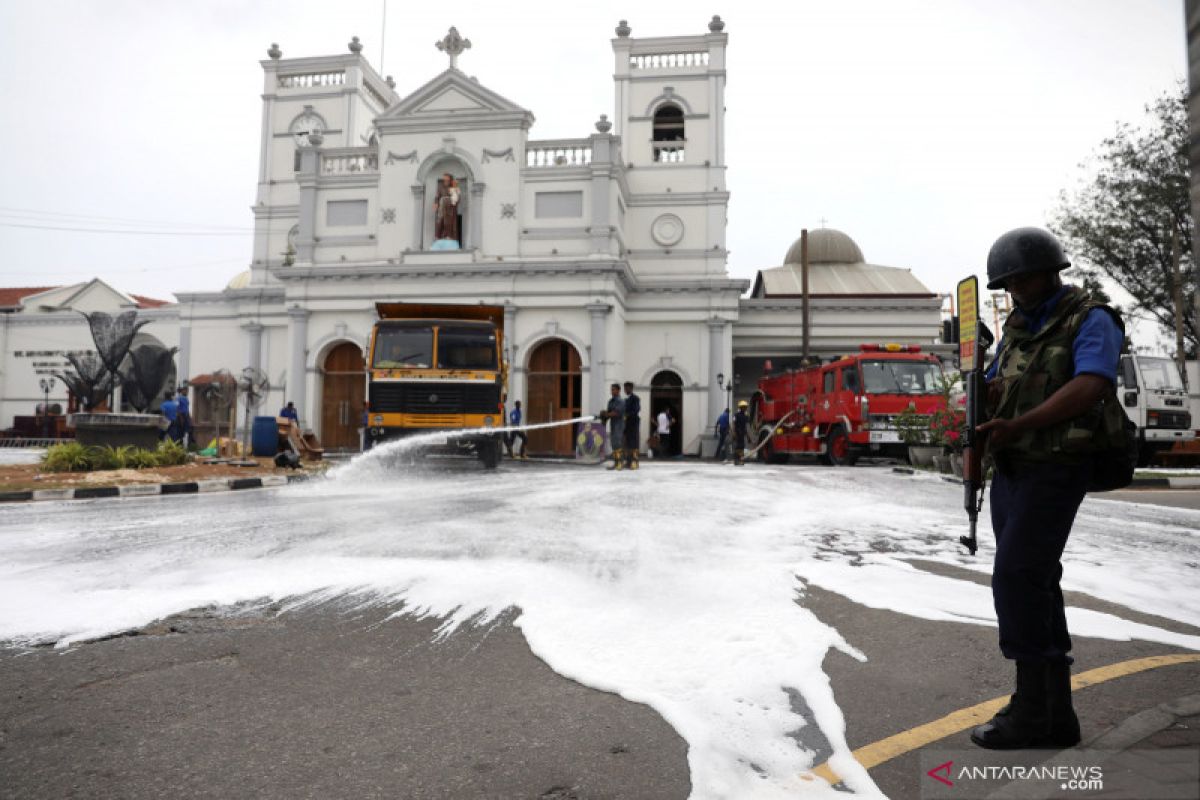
(445, 209)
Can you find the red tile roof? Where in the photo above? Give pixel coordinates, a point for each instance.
(11, 297)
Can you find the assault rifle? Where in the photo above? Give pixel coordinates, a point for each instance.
(974, 339)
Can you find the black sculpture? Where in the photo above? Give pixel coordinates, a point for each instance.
(91, 381)
(114, 335)
(149, 367)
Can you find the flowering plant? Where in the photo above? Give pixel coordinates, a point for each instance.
(948, 427)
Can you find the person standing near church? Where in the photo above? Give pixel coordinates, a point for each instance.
(289, 411)
(615, 413)
(514, 421)
(632, 426)
(663, 431)
(445, 208)
(183, 417)
(741, 426)
(722, 434)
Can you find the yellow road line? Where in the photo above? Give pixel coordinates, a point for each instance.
(876, 753)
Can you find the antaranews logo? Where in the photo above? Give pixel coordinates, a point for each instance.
(933, 773)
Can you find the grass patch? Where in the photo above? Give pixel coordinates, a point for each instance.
(75, 457)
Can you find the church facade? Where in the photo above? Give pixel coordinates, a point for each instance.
(607, 251)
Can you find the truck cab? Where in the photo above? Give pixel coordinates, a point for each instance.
(438, 368)
(1152, 392)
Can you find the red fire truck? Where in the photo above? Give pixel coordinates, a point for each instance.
(846, 408)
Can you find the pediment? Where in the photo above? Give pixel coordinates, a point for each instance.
(453, 95)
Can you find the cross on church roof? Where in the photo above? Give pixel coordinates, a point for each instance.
(453, 45)
(823, 221)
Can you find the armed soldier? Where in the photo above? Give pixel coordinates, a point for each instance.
(615, 414)
(1053, 408)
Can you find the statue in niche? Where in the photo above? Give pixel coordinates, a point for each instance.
(445, 210)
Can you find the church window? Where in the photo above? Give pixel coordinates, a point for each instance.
(346, 212)
(669, 136)
(558, 205)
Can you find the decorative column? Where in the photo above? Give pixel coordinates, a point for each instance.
(418, 220)
(516, 375)
(184, 358)
(602, 167)
(306, 179)
(254, 345)
(716, 366)
(475, 218)
(599, 313)
(297, 360)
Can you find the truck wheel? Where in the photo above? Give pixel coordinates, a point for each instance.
(837, 448)
(489, 453)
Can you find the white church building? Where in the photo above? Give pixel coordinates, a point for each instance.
(607, 251)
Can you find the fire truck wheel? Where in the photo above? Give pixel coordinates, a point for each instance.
(837, 448)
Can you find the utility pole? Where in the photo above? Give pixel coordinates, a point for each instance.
(1177, 280)
(804, 291)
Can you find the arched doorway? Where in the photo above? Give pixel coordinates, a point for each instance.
(666, 392)
(343, 392)
(553, 392)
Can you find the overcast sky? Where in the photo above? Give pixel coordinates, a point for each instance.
(922, 129)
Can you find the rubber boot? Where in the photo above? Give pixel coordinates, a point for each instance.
(1064, 725)
(633, 462)
(618, 460)
(738, 456)
(1025, 721)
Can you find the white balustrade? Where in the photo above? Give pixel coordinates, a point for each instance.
(563, 153)
(669, 60)
(349, 163)
(669, 152)
(309, 80)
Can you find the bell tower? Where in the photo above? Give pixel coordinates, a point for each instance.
(670, 98)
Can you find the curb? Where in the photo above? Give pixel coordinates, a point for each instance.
(1145, 724)
(152, 489)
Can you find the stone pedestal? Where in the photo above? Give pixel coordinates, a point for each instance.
(117, 430)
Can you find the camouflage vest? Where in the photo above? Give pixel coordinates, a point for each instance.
(1033, 366)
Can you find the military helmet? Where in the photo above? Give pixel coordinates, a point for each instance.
(1023, 250)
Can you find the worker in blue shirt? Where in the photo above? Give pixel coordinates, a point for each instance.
(289, 411)
(170, 411)
(514, 420)
(183, 417)
(1052, 408)
(722, 434)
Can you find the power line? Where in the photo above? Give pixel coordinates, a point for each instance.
(246, 232)
(10, 211)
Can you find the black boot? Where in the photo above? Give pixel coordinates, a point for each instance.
(1064, 725)
(1025, 721)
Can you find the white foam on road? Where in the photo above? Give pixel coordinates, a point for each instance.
(680, 586)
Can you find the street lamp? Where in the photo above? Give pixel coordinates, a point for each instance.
(727, 388)
(47, 384)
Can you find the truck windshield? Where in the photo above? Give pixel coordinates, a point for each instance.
(466, 348)
(901, 377)
(1160, 373)
(399, 348)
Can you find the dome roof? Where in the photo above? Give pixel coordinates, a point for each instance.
(242, 280)
(826, 246)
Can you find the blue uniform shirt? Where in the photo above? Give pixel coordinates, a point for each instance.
(169, 409)
(1097, 346)
(723, 422)
(289, 413)
(183, 406)
(514, 417)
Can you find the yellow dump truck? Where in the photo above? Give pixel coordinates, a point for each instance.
(434, 368)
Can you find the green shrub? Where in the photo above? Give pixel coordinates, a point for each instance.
(170, 453)
(67, 457)
(109, 457)
(141, 459)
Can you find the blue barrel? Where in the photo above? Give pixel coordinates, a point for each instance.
(264, 437)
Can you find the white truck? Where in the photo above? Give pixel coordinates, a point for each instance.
(1152, 391)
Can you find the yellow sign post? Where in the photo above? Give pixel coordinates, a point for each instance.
(968, 317)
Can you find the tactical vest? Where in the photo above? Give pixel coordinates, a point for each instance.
(1033, 366)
